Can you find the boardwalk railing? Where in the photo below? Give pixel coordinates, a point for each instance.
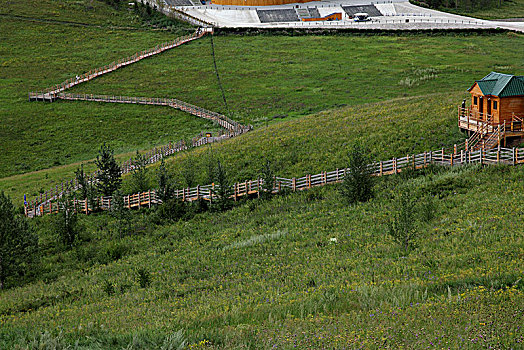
(153, 156)
(50, 94)
(510, 156)
(218, 118)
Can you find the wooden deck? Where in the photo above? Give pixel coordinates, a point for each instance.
(485, 133)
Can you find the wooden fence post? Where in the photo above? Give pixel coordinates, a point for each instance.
(395, 165)
(481, 155)
(513, 158)
(86, 206)
(149, 195)
(198, 192)
(294, 182)
(381, 173)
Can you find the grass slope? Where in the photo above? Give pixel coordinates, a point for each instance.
(309, 144)
(37, 55)
(268, 273)
(265, 76)
(501, 10)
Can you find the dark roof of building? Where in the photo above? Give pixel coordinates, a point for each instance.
(501, 85)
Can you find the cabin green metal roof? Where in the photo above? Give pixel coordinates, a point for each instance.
(501, 85)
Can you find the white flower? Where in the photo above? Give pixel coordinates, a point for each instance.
(333, 240)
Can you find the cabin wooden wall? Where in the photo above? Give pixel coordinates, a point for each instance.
(509, 105)
(476, 92)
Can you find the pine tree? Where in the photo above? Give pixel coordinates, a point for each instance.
(358, 183)
(165, 190)
(222, 189)
(139, 182)
(18, 244)
(109, 176)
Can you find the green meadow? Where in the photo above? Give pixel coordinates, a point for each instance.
(300, 270)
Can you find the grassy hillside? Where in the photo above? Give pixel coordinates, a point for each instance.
(294, 76)
(37, 55)
(309, 144)
(263, 77)
(494, 9)
(302, 270)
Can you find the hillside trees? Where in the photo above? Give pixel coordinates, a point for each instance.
(66, 222)
(358, 183)
(109, 173)
(139, 181)
(17, 242)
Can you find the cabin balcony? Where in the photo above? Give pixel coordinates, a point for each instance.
(473, 121)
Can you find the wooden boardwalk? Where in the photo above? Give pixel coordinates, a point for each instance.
(232, 128)
(509, 156)
(50, 94)
(217, 118)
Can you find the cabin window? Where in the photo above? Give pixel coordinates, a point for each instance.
(495, 104)
(475, 100)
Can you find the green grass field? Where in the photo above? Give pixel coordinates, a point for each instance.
(38, 55)
(270, 273)
(300, 270)
(501, 10)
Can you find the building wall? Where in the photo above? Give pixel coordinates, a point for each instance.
(481, 109)
(509, 105)
(256, 2)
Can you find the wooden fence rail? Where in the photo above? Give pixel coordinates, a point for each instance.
(218, 118)
(128, 166)
(50, 94)
(509, 156)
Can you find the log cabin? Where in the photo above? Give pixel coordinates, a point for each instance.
(497, 106)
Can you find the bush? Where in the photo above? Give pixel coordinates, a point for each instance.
(18, 244)
(358, 183)
(143, 277)
(409, 214)
(66, 223)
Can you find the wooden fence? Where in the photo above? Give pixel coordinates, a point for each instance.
(153, 156)
(218, 118)
(50, 94)
(510, 156)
